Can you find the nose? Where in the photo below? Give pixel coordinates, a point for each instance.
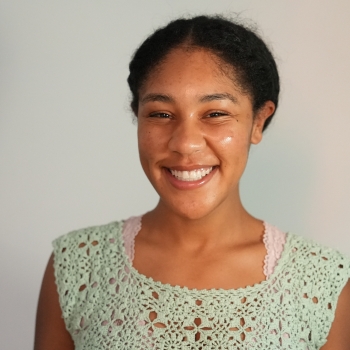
(187, 137)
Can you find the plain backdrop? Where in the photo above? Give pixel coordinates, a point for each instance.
(68, 151)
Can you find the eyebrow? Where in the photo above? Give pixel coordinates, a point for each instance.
(155, 97)
(219, 96)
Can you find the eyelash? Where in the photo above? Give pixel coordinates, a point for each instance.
(160, 115)
(216, 114)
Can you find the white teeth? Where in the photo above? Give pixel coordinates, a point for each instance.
(193, 175)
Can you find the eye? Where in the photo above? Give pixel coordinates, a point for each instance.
(216, 114)
(160, 115)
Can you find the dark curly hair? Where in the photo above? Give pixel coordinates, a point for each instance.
(234, 44)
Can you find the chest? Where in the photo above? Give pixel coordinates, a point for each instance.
(227, 269)
(133, 312)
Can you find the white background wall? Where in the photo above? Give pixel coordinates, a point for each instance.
(68, 153)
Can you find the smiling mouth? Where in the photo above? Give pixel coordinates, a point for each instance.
(193, 175)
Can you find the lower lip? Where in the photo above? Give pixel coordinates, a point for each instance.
(189, 185)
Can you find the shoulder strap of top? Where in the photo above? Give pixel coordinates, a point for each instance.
(131, 228)
(274, 241)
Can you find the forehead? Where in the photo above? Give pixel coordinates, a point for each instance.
(187, 68)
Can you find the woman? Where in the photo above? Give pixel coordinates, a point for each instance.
(198, 271)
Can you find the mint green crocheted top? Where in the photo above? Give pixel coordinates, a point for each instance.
(107, 304)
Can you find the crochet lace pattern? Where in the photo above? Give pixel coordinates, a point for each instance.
(108, 304)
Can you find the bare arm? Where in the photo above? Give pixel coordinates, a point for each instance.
(50, 330)
(339, 336)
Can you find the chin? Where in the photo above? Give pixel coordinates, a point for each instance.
(193, 215)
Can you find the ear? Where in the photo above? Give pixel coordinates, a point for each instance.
(261, 116)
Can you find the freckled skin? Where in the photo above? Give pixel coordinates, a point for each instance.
(190, 135)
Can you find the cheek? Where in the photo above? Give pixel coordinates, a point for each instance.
(231, 143)
(150, 144)
(226, 140)
(146, 145)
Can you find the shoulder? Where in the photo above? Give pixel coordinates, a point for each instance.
(79, 256)
(93, 236)
(310, 252)
(321, 278)
(326, 267)
(339, 336)
(77, 252)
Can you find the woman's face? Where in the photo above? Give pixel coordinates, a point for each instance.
(195, 128)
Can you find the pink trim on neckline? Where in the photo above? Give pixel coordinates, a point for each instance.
(273, 238)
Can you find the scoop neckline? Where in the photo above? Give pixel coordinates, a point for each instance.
(186, 290)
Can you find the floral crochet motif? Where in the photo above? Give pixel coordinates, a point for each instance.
(107, 304)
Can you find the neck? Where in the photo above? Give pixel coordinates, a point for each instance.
(228, 224)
